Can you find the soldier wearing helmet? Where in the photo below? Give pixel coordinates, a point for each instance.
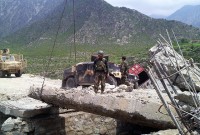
(124, 69)
(100, 68)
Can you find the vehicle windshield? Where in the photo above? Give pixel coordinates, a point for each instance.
(8, 58)
(113, 67)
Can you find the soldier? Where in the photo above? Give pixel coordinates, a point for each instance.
(100, 68)
(124, 70)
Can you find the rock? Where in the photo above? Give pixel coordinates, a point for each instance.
(129, 89)
(4, 97)
(195, 132)
(18, 120)
(8, 125)
(123, 86)
(79, 88)
(97, 119)
(96, 131)
(103, 130)
(115, 90)
(186, 108)
(120, 90)
(108, 120)
(91, 88)
(88, 131)
(185, 97)
(27, 128)
(17, 125)
(108, 86)
(166, 132)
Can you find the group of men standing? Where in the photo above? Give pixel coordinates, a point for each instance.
(101, 71)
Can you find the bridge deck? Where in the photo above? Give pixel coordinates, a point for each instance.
(140, 106)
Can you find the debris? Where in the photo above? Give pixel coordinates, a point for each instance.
(171, 68)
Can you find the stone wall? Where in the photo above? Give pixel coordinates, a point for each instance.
(86, 123)
(76, 123)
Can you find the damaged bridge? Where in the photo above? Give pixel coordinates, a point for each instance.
(140, 106)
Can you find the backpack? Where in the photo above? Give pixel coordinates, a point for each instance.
(100, 65)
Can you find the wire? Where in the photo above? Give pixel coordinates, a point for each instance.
(74, 20)
(53, 47)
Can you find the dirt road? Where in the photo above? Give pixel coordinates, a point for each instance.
(19, 87)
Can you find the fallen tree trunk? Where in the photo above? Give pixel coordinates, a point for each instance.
(139, 107)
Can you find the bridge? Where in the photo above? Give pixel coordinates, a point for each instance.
(140, 106)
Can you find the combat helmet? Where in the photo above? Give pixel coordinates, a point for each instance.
(100, 52)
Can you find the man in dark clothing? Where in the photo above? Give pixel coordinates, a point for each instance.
(100, 68)
(124, 70)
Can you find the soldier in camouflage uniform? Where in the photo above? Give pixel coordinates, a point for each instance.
(100, 68)
(124, 70)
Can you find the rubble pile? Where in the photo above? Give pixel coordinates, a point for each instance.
(172, 69)
(183, 73)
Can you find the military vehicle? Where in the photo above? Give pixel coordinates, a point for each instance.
(11, 64)
(141, 76)
(82, 74)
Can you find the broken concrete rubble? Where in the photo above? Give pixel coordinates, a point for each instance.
(186, 98)
(173, 67)
(140, 106)
(172, 62)
(17, 124)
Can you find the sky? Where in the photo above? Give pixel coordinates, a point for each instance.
(154, 7)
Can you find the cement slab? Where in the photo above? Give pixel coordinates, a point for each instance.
(25, 107)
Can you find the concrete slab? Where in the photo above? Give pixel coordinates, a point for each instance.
(25, 107)
(141, 106)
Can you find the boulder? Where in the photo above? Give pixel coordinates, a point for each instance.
(123, 86)
(8, 125)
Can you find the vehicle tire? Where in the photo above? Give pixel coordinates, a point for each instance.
(18, 74)
(2, 74)
(8, 74)
(136, 85)
(111, 80)
(70, 83)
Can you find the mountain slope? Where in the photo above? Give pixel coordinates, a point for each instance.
(187, 14)
(97, 22)
(15, 14)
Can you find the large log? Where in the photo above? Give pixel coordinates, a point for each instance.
(139, 106)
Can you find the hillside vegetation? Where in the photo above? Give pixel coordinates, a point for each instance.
(99, 26)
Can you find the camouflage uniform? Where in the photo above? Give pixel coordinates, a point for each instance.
(124, 71)
(100, 73)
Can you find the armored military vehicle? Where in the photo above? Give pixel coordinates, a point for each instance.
(11, 64)
(82, 74)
